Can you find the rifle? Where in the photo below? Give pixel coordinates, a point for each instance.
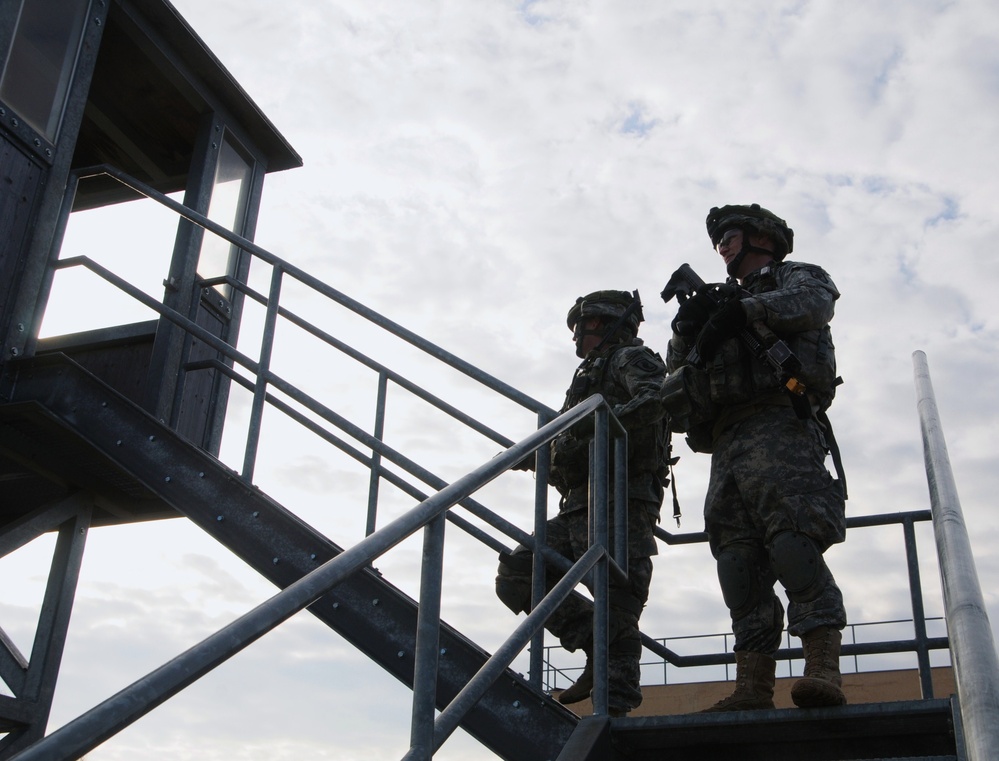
(762, 342)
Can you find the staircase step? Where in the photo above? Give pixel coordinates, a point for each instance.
(919, 729)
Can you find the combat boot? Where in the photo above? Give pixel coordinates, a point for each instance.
(821, 684)
(582, 687)
(754, 684)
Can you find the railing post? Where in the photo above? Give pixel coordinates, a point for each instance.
(976, 667)
(376, 456)
(428, 641)
(918, 614)
(621, 501)
(260, 387)
(538, 571)
(599, 531)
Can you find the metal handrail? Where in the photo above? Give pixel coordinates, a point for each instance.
(921, 644)
(973, 649)
(325, 413)
(452, 360)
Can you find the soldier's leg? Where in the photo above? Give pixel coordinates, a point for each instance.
(572, 621)
(803, 510)
(757, 621)
(626, 606)
(816, 615)
(747, 586)
(624, 674)
(814, 598)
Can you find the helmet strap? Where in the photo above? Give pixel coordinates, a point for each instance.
(634, 306)
(747, 248)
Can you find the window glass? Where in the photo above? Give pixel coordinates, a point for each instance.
(227, 208)
(39, 65)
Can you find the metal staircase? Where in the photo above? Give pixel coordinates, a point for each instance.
(83, 427)
(76, 452)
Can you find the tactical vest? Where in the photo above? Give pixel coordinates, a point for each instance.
(736, 376)
(646, 443)
(699, 400)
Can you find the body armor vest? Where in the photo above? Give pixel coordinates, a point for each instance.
(606, 374)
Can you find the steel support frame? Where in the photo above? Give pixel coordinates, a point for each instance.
(32, 680)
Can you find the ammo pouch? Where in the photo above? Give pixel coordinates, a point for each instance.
(570, 463)
(686, 397)
(815, 350)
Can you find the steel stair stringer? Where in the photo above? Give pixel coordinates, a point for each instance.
(53, 398)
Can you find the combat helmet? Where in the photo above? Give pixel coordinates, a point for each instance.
(753, 218)
(618, 309)
(612, 305)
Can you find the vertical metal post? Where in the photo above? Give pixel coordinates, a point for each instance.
(376, 457)
(918, 614)
(538, 571)
(598, 535)
(48, 278)
(621, 501)
(976, 667)
(260, 388)
(428, 641)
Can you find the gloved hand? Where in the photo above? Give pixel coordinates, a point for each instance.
(725, 323)
(526, 464)
(692, 315)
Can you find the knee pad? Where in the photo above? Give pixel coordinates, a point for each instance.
(798, 565)
(739, 578)
(514, 592)
(513, 579)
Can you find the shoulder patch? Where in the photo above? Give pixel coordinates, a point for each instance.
(645, 361)
(646, 365)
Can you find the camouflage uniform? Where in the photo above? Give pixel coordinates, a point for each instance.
(629, 376)
(768, 472)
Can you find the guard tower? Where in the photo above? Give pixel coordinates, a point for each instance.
(128, 84)
(123, 84)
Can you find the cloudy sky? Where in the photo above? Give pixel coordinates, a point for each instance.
(473, 167)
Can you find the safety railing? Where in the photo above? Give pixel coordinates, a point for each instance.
(558, 674)
(921, 644)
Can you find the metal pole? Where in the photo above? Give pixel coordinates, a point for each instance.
(976, 666)
(918, 614)
(620, 553)
(493, 668)
(376, 456)
(599, 531)
(539, 573)
(428, 626)
(260, 387)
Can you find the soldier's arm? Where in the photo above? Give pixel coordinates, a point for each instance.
(804, 300)
(677, 351)
(641, 373)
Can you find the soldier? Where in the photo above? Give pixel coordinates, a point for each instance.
(772, 508)
(617, 365)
